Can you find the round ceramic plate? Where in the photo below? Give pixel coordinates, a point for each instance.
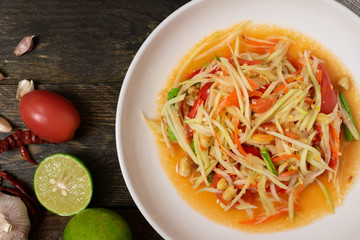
(336, 27)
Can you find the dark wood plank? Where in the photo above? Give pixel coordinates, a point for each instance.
(77, 41)
(82, 50)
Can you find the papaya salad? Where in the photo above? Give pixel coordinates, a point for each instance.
(256, 125)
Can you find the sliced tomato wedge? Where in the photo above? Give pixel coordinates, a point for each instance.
(328, 91)
(254, 151)
(261, 105)
(193, 74)
(201, 98)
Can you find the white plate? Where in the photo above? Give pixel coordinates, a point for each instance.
(324, 20)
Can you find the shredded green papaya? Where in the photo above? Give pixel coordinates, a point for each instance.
(252, 122)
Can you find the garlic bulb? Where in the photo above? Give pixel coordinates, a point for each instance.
(5, 125)
(14, 220)
(24, 87)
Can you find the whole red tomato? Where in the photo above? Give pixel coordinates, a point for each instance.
(49, 115)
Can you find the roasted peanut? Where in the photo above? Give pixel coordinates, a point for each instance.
(192, 90)
(204, 140)
(222, 184)
(184, 167)
(229, 193)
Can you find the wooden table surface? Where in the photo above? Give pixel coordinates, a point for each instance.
(82, 51)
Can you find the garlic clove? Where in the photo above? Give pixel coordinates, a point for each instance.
(5, 126)
(24, 46)
(24, 87)
(6, 227)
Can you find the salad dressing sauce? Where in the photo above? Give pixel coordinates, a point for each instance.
(312, 202)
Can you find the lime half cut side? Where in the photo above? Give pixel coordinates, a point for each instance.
(63, 184)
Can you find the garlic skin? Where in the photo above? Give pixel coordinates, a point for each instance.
(2, 77)
(24, 87)
(14, 220)
(5, 125)
(24, 46)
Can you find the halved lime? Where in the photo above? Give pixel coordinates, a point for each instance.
(63, 185)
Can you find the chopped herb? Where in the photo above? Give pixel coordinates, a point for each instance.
(210, 177)
(171, 135)
(172, 93)
(192, 146)
(269, 164)
(346, 107)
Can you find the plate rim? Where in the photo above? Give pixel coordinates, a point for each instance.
(127, 82)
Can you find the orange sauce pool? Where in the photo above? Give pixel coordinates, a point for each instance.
(312, 201)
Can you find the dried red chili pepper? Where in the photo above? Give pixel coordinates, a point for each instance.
(26, 155)
(11, 179)
(18, 185)
(19, 140)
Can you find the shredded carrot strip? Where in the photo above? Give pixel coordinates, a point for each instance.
(288, 173)
(202, 148)
(230, 100)
(258, 44)
(253, 41)
(221, 146)
(236, 138)
(255, 93)
(223, 115)
(281, 158)
(252, 83)
(334, 133)
(264, 219)
(318, 128)
(250, 221)
(282, 87)
(335, 148)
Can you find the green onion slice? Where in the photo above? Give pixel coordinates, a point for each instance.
(269, 164)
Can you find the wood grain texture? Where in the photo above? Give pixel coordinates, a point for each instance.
(82, 50)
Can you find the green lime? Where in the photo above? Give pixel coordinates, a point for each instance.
(63, 185)
(96, 224)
